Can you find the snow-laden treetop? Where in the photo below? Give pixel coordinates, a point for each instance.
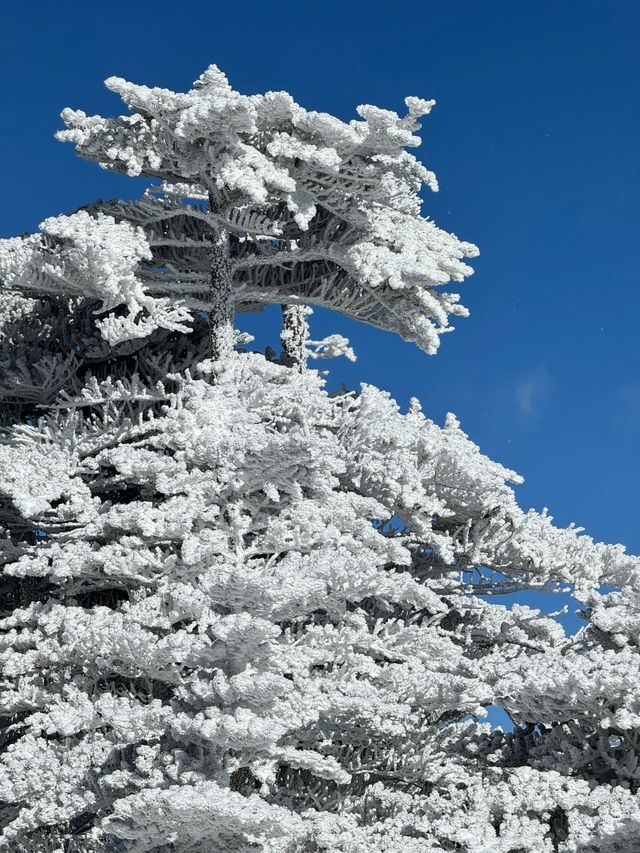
(316, 210)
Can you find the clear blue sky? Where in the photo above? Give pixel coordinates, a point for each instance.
(535, 141)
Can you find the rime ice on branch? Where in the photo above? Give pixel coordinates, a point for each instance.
(314, 210)
(221, 648)
(93, 257)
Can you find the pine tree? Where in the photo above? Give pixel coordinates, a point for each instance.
(243, 613)
(303, 207)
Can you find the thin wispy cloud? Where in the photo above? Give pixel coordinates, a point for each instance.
(531, 394)
(628, 409)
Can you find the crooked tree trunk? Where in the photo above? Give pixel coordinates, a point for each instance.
(221, 312)
(295, 331)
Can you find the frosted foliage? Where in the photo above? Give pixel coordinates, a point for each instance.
(93, 257)
(248, 618)
(317, 211)
(240, 613)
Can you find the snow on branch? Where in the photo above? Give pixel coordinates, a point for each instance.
(322, 211)
(238, 646)
(92, 257)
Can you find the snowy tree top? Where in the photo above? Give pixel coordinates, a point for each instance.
(259, 146)
(323, 211)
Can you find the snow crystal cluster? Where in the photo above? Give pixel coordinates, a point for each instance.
(243, 613)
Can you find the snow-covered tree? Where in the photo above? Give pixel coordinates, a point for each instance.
(302, 208)
(243, 613)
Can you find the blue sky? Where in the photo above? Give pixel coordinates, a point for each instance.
(534, 140)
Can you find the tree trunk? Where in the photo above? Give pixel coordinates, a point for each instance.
(221, 313)
(295, 331)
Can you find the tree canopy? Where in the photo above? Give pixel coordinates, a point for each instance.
(317, 210)
(245, 613)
